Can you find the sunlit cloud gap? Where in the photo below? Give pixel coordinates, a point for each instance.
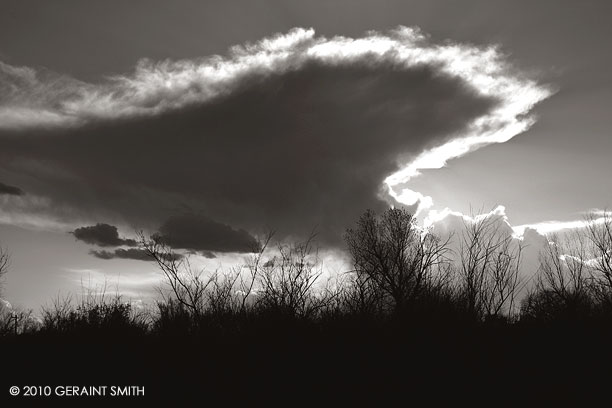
(488, 73)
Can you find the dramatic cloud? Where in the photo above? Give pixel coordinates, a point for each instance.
(103, 235)
(131, 253)
(10, 190)
(292, 133)
(202, 234)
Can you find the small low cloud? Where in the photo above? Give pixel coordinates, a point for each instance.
(192, 234)
(10, 190)
(208, 254)
(103, 235)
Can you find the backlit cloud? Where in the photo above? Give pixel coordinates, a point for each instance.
(550, 227)
(291, 133)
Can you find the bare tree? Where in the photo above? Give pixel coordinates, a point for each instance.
(562, 266)
(393, 254)
(254, 266)
(489, 266)
(60, 311)
(188, 285)
(221, 296)
(8, 318)
(563, 286)
(287, 281)
(4, 265)
(361, 295)
(599, 234)
(17, 321)
(190, 288)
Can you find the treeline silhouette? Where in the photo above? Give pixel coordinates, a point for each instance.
(417, 311)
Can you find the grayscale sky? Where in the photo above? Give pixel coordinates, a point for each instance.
(211, 121)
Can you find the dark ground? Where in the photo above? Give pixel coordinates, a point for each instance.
(351, 365)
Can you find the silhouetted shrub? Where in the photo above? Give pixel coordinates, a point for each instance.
(93, 315)
(393, 258)
(173, 318)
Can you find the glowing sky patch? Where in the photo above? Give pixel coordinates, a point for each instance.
(549, 227)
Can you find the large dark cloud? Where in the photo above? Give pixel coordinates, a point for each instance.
(303, 146)
(10, 190)
(103, 235)
(199, 233)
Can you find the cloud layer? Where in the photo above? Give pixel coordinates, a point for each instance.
(103, 235)
(131, 253)
(188, 232)
(291, 133)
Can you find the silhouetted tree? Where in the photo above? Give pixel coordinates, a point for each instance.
(6, 317)
(197, 294)
(254, 266)
(4, 265)
(287, 280)
(599, 234)
(361, 295)
(488, 273)
(221, 298)
(563, 286)
(392, 254)
(188, 285)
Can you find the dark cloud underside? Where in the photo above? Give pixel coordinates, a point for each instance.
(289, 151)
(202, 234)
(10, 190)
(130, 253)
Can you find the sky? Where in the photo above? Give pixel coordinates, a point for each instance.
(213, 122)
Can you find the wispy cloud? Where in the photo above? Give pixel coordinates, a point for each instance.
(492, 76)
